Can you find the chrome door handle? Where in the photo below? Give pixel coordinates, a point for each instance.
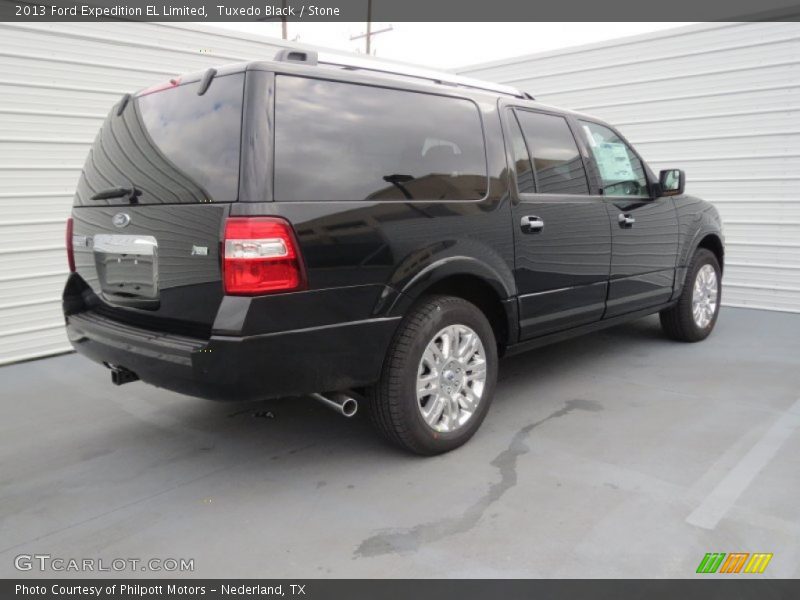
(530, 224)
(626, 220)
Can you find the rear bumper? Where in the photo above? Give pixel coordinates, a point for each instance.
(318, 359)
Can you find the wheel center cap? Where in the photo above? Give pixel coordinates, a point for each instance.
(452, 378)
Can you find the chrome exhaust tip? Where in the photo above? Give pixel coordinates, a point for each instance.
(345, 405)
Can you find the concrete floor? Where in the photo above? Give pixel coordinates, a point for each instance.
(620, 454)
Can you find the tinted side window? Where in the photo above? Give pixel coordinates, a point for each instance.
(342, 141)
(620, 170)
(558, 164)
(522, 160)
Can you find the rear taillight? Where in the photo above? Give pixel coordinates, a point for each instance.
(70, 249)
(261, 255)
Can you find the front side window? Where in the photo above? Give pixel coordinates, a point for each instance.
(344, 141)
(621, 172)
(556, 160)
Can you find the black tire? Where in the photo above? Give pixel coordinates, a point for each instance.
(678, 321)
(392, 402)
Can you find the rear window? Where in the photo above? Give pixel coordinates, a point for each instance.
(342, 141)
(172, 145)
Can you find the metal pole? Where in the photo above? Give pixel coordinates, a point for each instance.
(369, 26)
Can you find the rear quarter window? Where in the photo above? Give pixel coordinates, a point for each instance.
(343, 141)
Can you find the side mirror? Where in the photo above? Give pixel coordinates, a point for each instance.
(672, 182)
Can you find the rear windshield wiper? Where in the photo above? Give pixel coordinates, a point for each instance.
(118, 192)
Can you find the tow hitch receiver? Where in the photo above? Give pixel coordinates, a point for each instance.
(121, 375)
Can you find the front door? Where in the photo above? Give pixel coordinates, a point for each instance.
(561, 232)
(644, 230)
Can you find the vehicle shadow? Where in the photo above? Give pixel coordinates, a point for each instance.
(164, 427)
(298, 420)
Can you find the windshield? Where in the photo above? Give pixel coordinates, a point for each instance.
(170, 146)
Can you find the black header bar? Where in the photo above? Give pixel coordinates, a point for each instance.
(701, 588)
(399, 10)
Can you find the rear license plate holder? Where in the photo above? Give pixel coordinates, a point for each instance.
(127, 268)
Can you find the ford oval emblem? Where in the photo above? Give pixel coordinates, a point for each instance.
(121, 220)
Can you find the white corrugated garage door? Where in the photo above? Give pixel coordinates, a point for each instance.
(722, 102)
(57, 81)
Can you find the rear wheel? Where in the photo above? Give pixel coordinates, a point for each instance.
(693, 317)
(438, 377)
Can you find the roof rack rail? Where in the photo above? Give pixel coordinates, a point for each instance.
(310, 57)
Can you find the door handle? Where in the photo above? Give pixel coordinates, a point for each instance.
(626, 220)
(531, 224)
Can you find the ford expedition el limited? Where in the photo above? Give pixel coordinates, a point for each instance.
(360, 235)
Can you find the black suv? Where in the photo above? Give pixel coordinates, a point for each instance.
(300, 227)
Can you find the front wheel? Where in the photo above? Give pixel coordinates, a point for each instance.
(693, 317)
(438, 378)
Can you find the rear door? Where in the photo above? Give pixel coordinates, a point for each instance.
(644, 229)
(151, 201)
(561, 231)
